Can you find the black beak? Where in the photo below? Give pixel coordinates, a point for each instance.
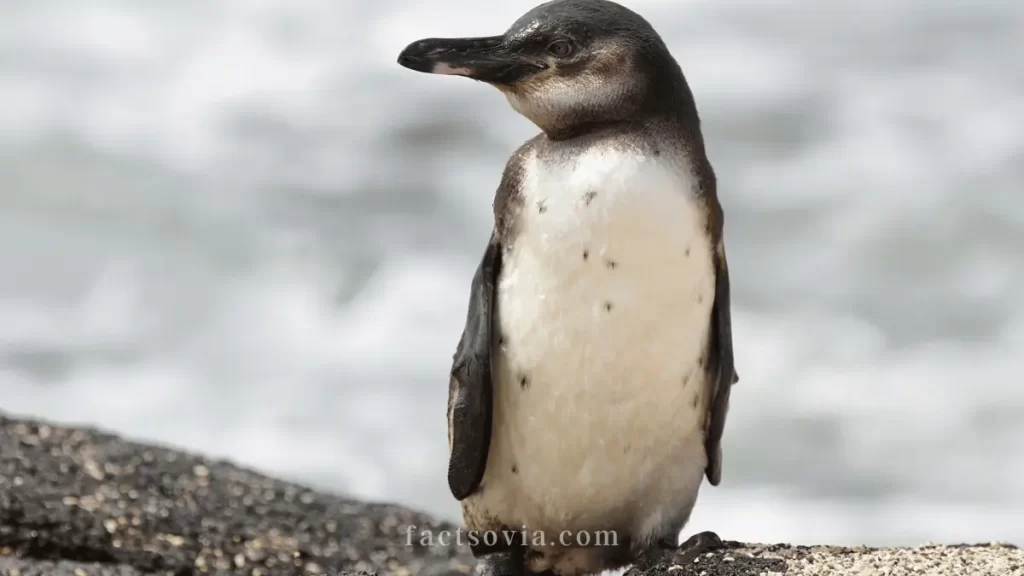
(486, 59)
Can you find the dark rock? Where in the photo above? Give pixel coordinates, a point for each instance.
(28, 567)
(79, 501)
(727, 561)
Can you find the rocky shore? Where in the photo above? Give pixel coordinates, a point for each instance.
(77, 501)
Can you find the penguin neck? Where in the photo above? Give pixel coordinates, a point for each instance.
(667, 103)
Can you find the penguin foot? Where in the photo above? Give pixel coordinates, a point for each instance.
(508, 563)
(695, 545)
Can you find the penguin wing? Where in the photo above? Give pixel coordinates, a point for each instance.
(470, 387)
(721, 365)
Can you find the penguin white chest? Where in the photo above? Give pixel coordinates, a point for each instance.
(603, 313)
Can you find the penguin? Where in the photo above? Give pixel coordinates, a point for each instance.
(589, 390)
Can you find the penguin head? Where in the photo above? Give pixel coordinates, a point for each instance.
(564, 64)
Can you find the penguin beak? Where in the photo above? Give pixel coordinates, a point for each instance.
(486, 59)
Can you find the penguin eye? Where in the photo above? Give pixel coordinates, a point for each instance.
(560, 48)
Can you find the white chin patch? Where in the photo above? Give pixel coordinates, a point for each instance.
(442, 68)
(513, 101)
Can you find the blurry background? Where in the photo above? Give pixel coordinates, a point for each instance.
(239, 227)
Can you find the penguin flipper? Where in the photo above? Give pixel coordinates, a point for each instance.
(721, 367)
(470, 387)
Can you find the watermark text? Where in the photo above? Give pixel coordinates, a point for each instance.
(509, 538)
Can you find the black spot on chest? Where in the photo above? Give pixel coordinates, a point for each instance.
(589, 197)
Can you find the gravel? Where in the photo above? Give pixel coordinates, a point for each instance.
(737, 559)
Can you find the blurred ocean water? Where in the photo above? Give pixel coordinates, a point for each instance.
(239, 227)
